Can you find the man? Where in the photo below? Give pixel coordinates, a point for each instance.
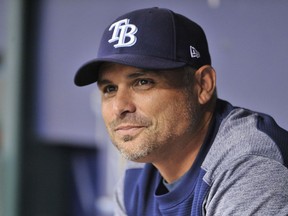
(198, 154)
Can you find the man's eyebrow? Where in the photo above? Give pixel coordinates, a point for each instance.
(101, 82)
(140, 73)
(133, 75)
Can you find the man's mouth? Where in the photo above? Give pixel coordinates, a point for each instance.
(127, 129)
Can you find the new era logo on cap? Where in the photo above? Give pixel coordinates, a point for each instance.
(121, 31)
(194, 52)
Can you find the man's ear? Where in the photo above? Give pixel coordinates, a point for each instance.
(205, 83)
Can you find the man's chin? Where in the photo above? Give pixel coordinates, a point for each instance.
(136, 158)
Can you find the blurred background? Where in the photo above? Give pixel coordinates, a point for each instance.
(55, 156)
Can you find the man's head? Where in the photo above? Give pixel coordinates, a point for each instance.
(153, 70)
(152, 38)
(153, 114)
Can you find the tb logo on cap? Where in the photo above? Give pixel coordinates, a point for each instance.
(124, 33)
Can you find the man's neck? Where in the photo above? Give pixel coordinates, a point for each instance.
(179, 159)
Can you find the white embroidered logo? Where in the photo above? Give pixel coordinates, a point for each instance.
(124, 33)
(194, 52)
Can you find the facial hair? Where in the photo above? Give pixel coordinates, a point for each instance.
(153, 139)
(139, 150)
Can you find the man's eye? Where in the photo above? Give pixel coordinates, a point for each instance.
(109, 89)
(141, 82)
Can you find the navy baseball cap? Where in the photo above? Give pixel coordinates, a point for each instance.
(153, 38)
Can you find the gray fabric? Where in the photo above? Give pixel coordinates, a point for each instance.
(245, 171)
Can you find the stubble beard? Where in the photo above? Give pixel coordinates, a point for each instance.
(129, 147)
(135, 151)
(149, 142)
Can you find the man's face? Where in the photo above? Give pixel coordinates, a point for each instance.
(147, 114)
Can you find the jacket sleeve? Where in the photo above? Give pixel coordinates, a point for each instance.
(253, 185)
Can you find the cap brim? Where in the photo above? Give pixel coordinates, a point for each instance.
(88, 73)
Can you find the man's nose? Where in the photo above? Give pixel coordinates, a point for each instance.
(123, 103)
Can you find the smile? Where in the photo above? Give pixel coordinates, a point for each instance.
(129, 129)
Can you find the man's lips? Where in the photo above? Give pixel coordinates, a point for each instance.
(130, 126)
(128, 129)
